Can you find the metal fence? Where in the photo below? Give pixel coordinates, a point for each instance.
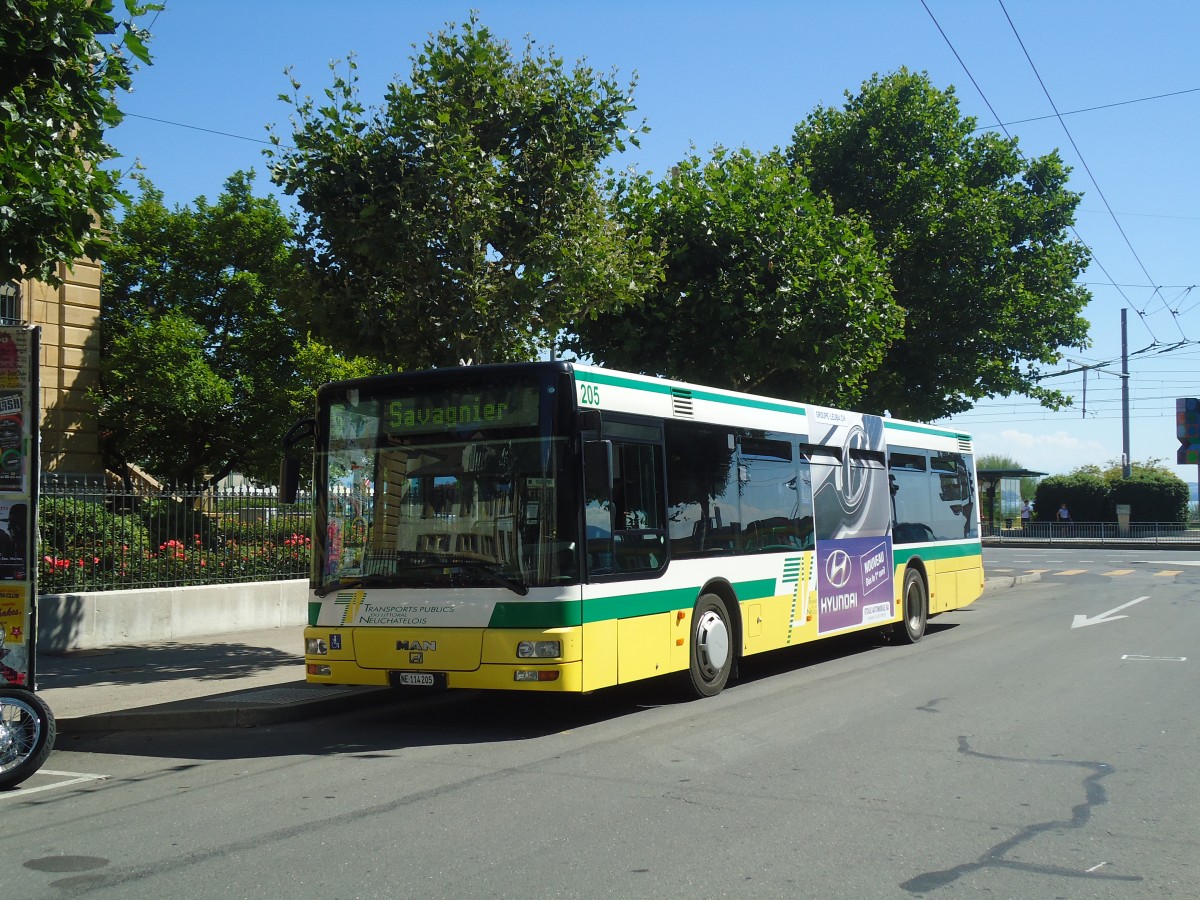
(100, 536)
(1138, 533)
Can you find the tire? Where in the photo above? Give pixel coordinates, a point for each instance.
(916, 608)
(27, 734)
(711, 652)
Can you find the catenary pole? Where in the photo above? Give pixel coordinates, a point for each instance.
(1126, 464)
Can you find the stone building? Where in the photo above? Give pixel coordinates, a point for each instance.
(69, 316)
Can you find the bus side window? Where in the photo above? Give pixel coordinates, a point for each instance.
(638, 500)
(598, 505)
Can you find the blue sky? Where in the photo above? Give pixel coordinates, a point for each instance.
(1123, 75)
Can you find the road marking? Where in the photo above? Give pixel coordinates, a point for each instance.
(1137, 658)
(1071, 572)
(1168, 573)
(72, 778)
(1120, 572)
(1082, 621)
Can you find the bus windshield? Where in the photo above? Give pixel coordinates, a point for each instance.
(445, 488)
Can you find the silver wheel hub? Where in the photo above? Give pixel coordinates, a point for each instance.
(712, 643)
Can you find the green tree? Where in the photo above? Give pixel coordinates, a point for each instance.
(976, 238)
(765, 288)
(466, 218)
(58, 87)
(202, 370)
(1114, 471)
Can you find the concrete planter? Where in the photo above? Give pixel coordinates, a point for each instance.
(156, 615)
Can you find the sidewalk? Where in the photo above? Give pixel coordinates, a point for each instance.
(237, 679)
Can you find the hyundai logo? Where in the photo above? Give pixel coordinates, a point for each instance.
(837, 568)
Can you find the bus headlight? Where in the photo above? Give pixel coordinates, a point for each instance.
(539, 649)
(315, 647)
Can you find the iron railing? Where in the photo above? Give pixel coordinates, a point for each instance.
(1137, 533)
(100, 536)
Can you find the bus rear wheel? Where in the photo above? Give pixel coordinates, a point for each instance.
(711, 647)
(916, 608)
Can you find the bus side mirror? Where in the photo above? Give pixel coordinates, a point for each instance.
(289, 479)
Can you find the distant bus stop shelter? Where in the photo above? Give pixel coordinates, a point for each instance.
(992, 483)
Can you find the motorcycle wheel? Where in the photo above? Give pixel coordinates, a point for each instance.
(26, 735)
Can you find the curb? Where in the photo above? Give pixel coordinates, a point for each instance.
(241, 709)
(1009, 581)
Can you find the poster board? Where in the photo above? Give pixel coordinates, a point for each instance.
(19, 472)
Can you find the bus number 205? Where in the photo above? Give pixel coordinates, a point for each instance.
(589, 395)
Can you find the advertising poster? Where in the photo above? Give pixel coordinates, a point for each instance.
(14, 635)
(18, 473)
(852, 509)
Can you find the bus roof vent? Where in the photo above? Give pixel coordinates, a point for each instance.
(964, 446)
(681, 402)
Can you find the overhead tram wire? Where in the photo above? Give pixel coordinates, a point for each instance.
(1087, 168)
(1075, 112)
(239, 137)
(1007, 134)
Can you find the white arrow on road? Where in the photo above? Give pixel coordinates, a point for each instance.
(1081, 621)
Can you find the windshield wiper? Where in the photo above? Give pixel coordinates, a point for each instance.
(398, 579)
(357, 581)
(493, 572)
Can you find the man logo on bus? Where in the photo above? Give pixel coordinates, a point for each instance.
(837, 568)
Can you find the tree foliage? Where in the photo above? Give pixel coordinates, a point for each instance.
(58, 87)
(202, 370)
(765, 288)
(976, 241)
(466, 217)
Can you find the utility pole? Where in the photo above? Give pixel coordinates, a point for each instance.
(1126, 463)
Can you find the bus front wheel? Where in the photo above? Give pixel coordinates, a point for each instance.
(916, 607)
(712, 647)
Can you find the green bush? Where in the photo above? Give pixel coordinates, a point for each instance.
(164, 542)
(1086, 496)
(1152, 495)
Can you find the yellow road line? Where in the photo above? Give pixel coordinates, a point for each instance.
(1119, 572)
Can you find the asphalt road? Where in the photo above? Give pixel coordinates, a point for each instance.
(1040, 744)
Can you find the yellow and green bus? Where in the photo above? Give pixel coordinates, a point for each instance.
(553, 526)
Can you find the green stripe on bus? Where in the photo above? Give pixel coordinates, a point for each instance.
(314, 611)
(628, 606)
(925, 429)
(552, 614)
(695, 393)
(933, 551)
(565, 613)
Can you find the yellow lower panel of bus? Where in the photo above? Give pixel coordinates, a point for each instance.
(767, 624)
(645, 647)
(562, 677)
(468, 657)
